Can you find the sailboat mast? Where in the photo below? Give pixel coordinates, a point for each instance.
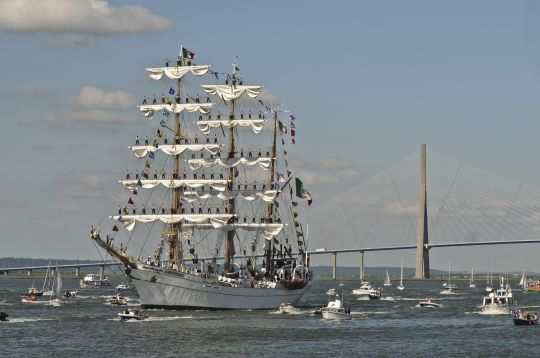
(176, 204)
(231, 205)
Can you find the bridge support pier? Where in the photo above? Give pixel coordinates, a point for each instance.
(422, 253)
(102, 271)
(29, 273)
(77, 272)
(334, 267)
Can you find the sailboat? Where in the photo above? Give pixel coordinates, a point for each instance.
(48, 282)
(401, 287)
(471, 281)
(449, 287)
(387, 281)
(57, 286)
(222, 196)
(523, 281)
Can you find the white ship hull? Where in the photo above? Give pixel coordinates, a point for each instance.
(158, 289)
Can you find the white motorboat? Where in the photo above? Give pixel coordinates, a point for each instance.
(93, 280)
(286, 307)
(428, 303)
(132, 314)
(123, 287)
(118, 300)
(375, 294)
(499, 301)
(363, 290)
(335, 310)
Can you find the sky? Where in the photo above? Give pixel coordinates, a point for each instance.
(367, 81)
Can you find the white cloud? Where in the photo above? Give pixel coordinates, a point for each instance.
(96, 98)
(31, 90)
(71, 40)
(93, 17)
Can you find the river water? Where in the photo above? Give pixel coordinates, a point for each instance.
(87, 326)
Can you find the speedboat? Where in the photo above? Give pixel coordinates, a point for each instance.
(118, 300)
(428, 303)
(132, 314)
(69, 294)
(375, 293)
(34, 291)
(123, 287)
(29, 298)
(532, 287)
(363, 290)
(524, 318)
(286, 307)
(4, 317)
(335, 310)
(93, 280)
(499, 301)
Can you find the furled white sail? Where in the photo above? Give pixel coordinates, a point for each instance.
(175, 73)
(268, 230)
(228, 92)
(249, 195)
(255, 124)
(149, 109)
(215, 220)
(195, 164)
(141, 151)
(217, 184)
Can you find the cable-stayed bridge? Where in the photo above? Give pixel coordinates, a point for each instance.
(424, 201)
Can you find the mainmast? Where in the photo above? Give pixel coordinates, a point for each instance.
(231, 205)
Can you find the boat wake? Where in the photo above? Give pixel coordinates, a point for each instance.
(23, 320)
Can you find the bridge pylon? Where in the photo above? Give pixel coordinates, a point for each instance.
(422, 252)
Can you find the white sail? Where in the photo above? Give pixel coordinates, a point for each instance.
(59, 284)
(176, 72)
(229, 92)
(387, 281)
(249, 195)
(216, 184)
(149, 109)
(216, 220)
(269, 230)
(255, 124)
(523, 280)
(142, 151)
(196, 164)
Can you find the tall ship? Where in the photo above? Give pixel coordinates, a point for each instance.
(212, 195)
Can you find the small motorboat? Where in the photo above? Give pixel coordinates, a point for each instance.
(29, 298)
(4, 317)
(69, 294)
(335, 310)
(363, 290)
(123, 287)
(132, 314)
(286, 307)
(524, 318)
(118, 300)
(375, 293)
(428, 303)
